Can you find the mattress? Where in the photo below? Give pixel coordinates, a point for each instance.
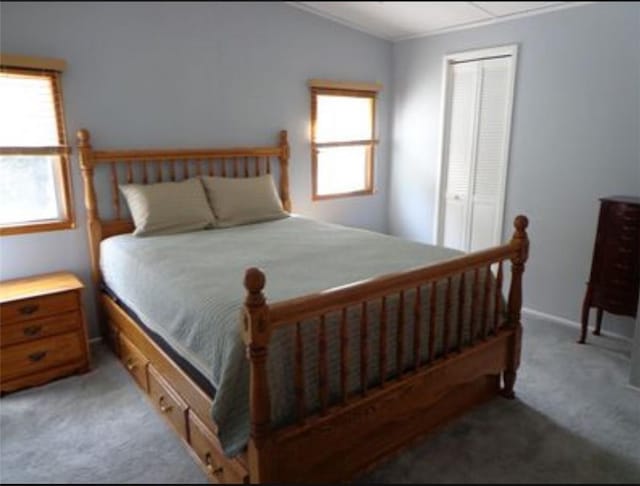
(187, 289)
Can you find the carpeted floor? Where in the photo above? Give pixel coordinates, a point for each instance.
(574, 420)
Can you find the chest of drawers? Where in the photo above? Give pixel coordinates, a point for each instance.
(42, 330)
(614, 281)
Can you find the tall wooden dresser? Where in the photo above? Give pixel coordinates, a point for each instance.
(615, 269)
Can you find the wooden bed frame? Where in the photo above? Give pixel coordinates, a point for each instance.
(341, 439)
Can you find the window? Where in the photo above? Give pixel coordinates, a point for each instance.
(34, 175)
(342, 138)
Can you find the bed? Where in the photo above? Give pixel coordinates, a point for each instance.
(365, 343)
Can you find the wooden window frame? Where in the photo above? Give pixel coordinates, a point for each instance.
(362, 90)
(62, 150)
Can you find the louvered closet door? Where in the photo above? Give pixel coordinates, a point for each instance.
(490, 154)
(459, 155)
(475, 156)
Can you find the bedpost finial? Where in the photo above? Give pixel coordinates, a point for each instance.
(283, 137)
(521, 223)
(83, 137)
(254, 281)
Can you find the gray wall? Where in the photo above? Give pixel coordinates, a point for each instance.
(200, 74)
(634, 377)
(574, 137)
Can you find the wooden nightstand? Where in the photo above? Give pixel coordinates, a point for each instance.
(43, 334)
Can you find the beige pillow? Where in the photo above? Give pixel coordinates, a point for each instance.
(168, 207)
(243, 200)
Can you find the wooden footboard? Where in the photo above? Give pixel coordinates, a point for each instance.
(344, 438)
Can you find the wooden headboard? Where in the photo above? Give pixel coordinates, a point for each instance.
(163, 165)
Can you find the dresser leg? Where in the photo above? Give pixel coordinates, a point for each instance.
(598, 322)
(585, 316)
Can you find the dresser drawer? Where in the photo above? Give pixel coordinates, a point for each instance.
(19, 332)
(616, 301)
(36, 307)
(220, 469)
(134, 361)
(31, 357)
(168, 402)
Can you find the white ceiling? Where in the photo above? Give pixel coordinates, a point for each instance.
(402, 20)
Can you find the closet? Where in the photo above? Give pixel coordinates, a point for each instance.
(475, 147)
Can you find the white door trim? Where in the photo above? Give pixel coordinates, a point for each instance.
(441, 182)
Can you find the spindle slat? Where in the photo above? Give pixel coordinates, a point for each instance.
(322, 366)
(461, 292)
(129, 172)
(344, 356)
(268, 165)
(158, 166)
(364, 348)
(487, 300)
(474, 306)
(172, 171)
(383, 341)
(145, 177)
(447, 325)
(185, 169)
(246, 166)
(114, 190)
(223, 162)
(417, 310)
(299, 374)
(497, 299)
(400, 335)
(432, 320)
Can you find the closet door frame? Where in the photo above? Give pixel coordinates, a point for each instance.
(448, 60)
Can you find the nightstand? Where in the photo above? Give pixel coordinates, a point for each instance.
(43, 333)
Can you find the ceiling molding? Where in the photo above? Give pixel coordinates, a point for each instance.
(339, 20)
(470, 25)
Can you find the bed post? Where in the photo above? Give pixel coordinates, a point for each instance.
(94, 228)
(284, 171)
(256, 334)
(520, 244)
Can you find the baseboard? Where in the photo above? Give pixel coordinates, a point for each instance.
(568, 322)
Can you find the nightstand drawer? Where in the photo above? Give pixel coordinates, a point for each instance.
(43, 306)
(31, 357)
(20, 332)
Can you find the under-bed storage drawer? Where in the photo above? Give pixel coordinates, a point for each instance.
(135, 362)
(219, 468)
(168, 402)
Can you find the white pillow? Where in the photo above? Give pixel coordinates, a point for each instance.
(168, 207)
(245, 200)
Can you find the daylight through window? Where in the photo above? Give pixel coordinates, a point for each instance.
(342, 140)
(34, 181)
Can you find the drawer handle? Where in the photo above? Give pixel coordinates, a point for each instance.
(32, 330)
(35, 357)
(27, 310)
(130, 364)
(210, 467)
(164, 408)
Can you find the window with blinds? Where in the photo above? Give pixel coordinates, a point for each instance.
(342, 139)
(34, 176)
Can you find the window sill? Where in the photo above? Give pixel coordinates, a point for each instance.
(324, 197)
(36, 227)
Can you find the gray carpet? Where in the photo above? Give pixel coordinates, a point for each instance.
(574, 421)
